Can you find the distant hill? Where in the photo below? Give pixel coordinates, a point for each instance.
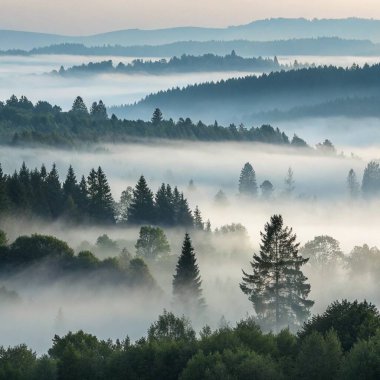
(236, 100)
(261, 30)
(328, 46)
(183, 64)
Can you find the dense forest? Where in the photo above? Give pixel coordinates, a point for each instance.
(350, 107)
(183, 64)
(237, 99)
(23, 123)
(341, 343)
(89, 200)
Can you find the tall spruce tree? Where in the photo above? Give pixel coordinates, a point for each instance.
(247, 181)
(164, 206)
(4, 201)
(54, 192)
(277, 287)
(79, 107)
(371, 180)
(157, 117)
(187, 291)
(353, 184)
(101, 204)
(198, 221)
(141, 210)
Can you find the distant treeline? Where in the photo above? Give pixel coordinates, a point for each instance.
(185, 63)
(243, 97)
(23, 123)
(40, 193)
(304, 46)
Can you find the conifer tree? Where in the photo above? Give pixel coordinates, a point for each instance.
(353, 184)
(70, 186)
(187, 291)
(164, 206)
(54, 192)
(289, 183)
(371, 180)
(4, 201)
(141, 210)
(277, 287)
(157, 117)
(79, 107)
(247, 181)
(100, 198)
(198, 221)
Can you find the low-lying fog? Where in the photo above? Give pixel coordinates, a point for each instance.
(24, 76)
(320, 207)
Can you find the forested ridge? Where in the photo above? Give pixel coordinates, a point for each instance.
(23, 123)
(282, 90)
(184, 63)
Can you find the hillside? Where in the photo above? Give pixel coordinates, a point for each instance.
(260, 30)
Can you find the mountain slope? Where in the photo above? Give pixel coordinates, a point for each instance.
(261, 30)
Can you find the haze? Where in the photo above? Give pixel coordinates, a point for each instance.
(88, 17)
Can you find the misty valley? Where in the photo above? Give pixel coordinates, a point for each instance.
(191, 203)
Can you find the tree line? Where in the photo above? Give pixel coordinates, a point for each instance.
(184, 63)
(40, 192)
(341, 343)
(25, 123)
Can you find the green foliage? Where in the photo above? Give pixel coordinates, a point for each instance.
(187, 282)
(277, 287)
(363, 360)
(351, 321)
(239, 364)
(169, 327)
(319, 357)
(152, 243)
(44, 124)
(80, 356)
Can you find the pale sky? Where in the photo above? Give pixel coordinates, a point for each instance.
(96, 16)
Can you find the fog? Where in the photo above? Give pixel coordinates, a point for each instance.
(25, 76)
(320, 207)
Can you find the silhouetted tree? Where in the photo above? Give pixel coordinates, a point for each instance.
(353, 184)
(187, 282)
(371, 180)
(277, 287)
(152, 243)
(141, 210)
(266, 189)
(79, 107)
(247, 181)
(157, 117)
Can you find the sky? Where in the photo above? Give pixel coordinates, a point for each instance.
(83, 17)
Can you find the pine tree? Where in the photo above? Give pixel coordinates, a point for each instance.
(157, 117)
(79, 107)
(164, 206)
(70, 186)
(353, 184)
(99, 111)
(101, 204)
(82, 201)
(141, 210)
(247, 181)
(289, 183)
(277, 287)
(198, 221)
(54, 192)
(4, 201)
(371, 180)
(187, 282)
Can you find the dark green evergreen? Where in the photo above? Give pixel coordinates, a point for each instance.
(187, 291)
(277, 287)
